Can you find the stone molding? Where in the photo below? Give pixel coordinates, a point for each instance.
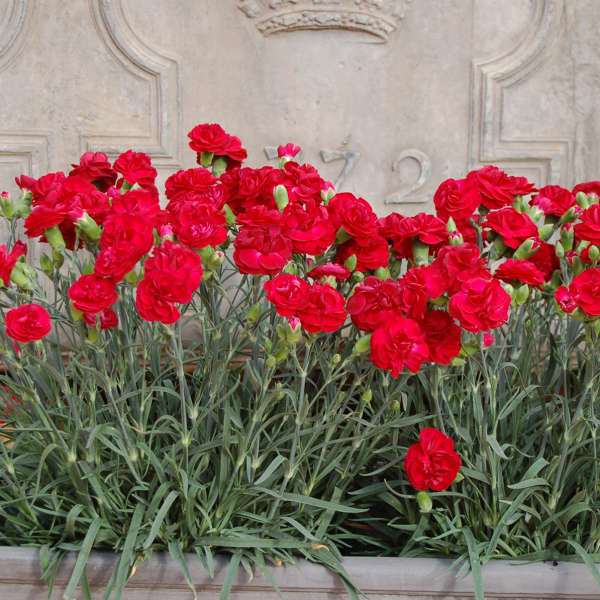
(376, 17)
(550, 158)
(162, 74)
(14, 30)
(30, 150)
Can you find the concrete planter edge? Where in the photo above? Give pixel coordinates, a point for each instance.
(398, 578)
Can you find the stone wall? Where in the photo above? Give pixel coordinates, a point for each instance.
(386, 97)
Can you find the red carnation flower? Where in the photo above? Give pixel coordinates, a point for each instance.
(585, 291)
(28, 323)
(92, 294)
(398, 343)
(288, 151)
(262, 250)
(588, 188)
(329, 270)
(287, 293)
(589, 228)
(402, 231)
(354, 214)
(108, 319)
(457, 264)
(323, 309)
(375, 302)
(521, 271)
(554, 200)
(371, 253)
(95, 168)
(498, 189)
(136, 167)
(457, 199)
(151, 298)
(211, 137)
(480, 305)
(512, 226)
(442, 336)
(9, 260)
(432, 462)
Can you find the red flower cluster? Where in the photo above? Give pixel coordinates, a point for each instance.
(28, 323)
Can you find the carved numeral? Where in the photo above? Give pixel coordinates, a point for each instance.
(408, 196)
(350, 158)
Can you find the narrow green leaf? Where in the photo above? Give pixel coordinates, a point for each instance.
(230, 576)
(127, 554)
(86, 546)
(177, 555)
(475, 562)
(586, 559)
(160, 517)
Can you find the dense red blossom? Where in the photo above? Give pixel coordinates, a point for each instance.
(371, 253)
(375, 302)
(442, 336)
(402, 231)
(287, 293)
(323, 310)
(554, 200)
(498, 189)
(520, 270)
(211, 137)
(28, 323)
(512, 226)
(262, 250)
(92, 294)
(456, 199)
(95, 168)
(432, 463)
(9, 260)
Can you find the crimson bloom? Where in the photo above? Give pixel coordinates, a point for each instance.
(28, 323)
(432, 462)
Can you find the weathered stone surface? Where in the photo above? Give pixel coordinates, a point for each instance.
(387, 97)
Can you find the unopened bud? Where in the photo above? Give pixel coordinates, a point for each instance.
(46, 264)
(559, 250)
(526, 249)
(131, 277)
(254, 313)
(92, 335)
(577, 265)
(342, 236)
(291, 332)
(546, 231)
(55, 238)
(87, 268)
(327, 195)
(271, 362)
(335, 359)
(420, 252)
(363, 344)
(76, 314)
(583, 200)
(206, 159)
(351, 262)
(366, 396)
(89, 227)
(229, 215)
(6, 205)
(456, 238)
(567, 237)
(57, 259)
(381, 273)
(23, 205)
(20, 275)
(281, 197)
(219, 166)
(521, 294)
(518, 204)
(582, 246)
(594, 253)
(357, 277)
(424, 501)
(571, 215)
(450, 225)
(291, 268)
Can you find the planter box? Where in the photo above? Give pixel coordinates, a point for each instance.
(378, 578)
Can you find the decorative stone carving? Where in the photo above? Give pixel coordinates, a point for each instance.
(408, 196)
(377, 17)
(163, 143)
(550, 159)
(14, 29)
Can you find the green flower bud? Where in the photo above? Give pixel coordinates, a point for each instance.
(271, 362)
(281, 197)
(450, 225)
(559, 250)
(219, 166)
(7, 208)
(594, 253)
(206, 159)
(131, 277)
(381, 273)
(456, 239)
(335, 359)
(229, 215)
(526, 249)
(424, 501)
(46, 264)
(87, 268)
(577, 265)
(76, 314)
(583, 200)
(92, 335)
(459, 477)
(394, 405)
(55, 238)
(20, 275)
(291, 268)
(420, 252)
(546, 231)
(57, 259)
(366, 396)
(458, 362)
(23, 205)
(567, 237)
(342, 236)
(570, 216)
(89, 227)
(357, 277)
(254, 313)
(363, 344)
(518, 204)
(351, 262)
(521, 295)
(327, 195)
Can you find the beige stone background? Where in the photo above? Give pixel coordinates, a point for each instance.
(386, 97)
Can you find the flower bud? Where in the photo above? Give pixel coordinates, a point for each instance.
(394, 405)
(582, 246)
(420, 252)
(131, 277)
(281, 197)
(577, 265)
(559, 250)
(424, 501)
(535, 213)
(206, 159)
(291, 268)
(594, 253)
(381, 273)
(254, 313)
(366, 396)
(456, 238)
(58, 259)
(46, 264)
(521, 294)
(363, 344)
(327, 195)
(583, 200)
(351, 262)
(291, 332)
(87, 268)
(519, 205)
(7, 208)
(271, 362)
(526, 249)
(342, 236)
(92, 335)
(55, 238)
(76, 314)
(567, 236)
(546, 231)
(571, 215)
(23, 205)
(458, 362)
(88, 226)
(357, 277)
(229, 215)
(219, 166)
(335, 359)
(20, 275)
